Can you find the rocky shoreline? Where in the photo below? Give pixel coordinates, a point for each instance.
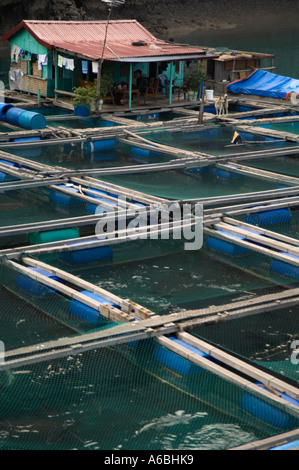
(166, 19)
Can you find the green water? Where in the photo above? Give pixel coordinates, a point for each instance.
(292, 127)
(283, 165)
(124, 398)
(34, 205)
(216, 140)
(176, 184)
(163, 277)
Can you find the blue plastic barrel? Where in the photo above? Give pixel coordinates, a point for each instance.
(3, 175)
(4, 107)
(271, 217)
(97, 208)
(284, 268)
(227, 247)
(220, 173)
(265, 411)
(12, 115)
(177, 363)
(89, 314)
(31, 120)
(64, 199)
(28, 152)
(89, 148)
(82, 110)
(35, 287)
(87, 255)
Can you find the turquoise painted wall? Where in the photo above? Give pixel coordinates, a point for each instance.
(25, 41)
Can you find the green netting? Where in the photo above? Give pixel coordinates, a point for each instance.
(191, 184)
(215, 140)
(162, 276)
(125, 397)
(26, 206)
(73, 156)
(284, 165)
(121, 398)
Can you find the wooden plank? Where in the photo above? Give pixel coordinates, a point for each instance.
(253, 247)
(269, 233)
(255, 237)
(126, 306)
(241, 366)
(106, 310)
(270, 442)
(226, 374)
(18, 185)
(93, 241)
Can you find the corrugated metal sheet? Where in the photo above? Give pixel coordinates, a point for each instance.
(86, 38)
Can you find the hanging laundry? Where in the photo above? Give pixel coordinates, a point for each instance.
(19, 78)
(60, 61)
(84, 66)
(15, 53)
(42, 60)
(16, 76)
(95, 67)
(12, 79)
(70, 65)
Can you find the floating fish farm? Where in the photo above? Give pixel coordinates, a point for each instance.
(125, 325)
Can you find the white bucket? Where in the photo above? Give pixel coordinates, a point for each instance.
(210, 95)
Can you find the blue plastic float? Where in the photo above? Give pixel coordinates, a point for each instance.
(89, 314)
(90, 148)
(3, 175)
(139, 155)
(22, 118)
(265, 411)
(86, 255)
(284, 268)
(34, 287)
(64, 199)
(271, 217)
(177, 363)
(224, 246)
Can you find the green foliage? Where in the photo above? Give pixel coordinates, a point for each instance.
(88, 93)
(197, 77)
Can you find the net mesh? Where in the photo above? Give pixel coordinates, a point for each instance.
(138, 394)
(124, 396)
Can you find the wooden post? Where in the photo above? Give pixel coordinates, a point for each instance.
(201, 108)
(56, 74)
(170, 84)
(130, 85)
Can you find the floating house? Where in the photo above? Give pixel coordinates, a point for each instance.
(51, 57)
(229, 65)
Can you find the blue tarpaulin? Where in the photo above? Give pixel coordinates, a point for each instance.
(262, 83)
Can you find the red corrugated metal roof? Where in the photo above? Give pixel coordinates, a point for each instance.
(86, 38)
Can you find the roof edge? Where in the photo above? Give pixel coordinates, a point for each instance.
(24, 24)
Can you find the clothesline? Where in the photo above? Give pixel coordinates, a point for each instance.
(42, 60)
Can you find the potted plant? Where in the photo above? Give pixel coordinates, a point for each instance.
(85, 97)
(196, 80)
